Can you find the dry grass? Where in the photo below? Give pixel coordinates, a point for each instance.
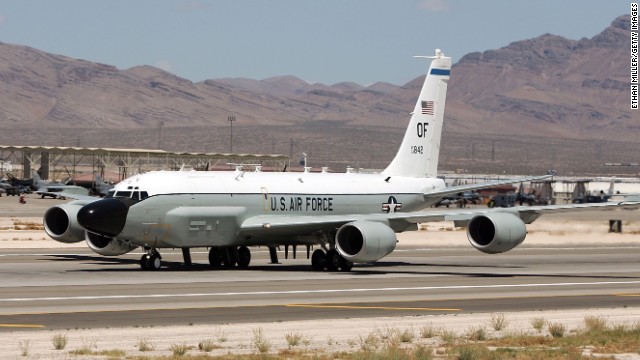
(538, 323)
(477, 334)
(179, 349)
(595, 323)
(498, 321)
(428, 331)
(59, 341)
(386, 344)
(556, 330)
(208, 345)
(145, 345)
(26, 225)
(24, 348)
(293, 339)
(259, 342)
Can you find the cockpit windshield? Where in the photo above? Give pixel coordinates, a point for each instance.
(132, 193)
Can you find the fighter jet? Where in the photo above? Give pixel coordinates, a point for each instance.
(347, 217)
(56, 190)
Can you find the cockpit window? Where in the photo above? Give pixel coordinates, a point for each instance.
(125, 194)
(135, 195)
(110, 193)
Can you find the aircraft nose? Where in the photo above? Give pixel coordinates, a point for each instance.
(105, 217)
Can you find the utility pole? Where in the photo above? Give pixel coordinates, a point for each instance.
(231, 119)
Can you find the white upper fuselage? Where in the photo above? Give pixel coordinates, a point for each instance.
(282, 193)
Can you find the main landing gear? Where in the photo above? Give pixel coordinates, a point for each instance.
(219, 257)
(240, 256)
(331, 260)
(229, 257)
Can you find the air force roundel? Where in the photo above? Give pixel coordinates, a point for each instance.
(392, 205)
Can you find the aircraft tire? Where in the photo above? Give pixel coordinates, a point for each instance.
(318, 260)
(215, 257)
(244, 257)
(345, 265)
(154, 262)
(144, 262)
(229, 257)
(333, 260)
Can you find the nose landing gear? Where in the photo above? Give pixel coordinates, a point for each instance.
(151, 260)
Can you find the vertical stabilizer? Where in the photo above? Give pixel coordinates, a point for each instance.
(420, 148)
(37, 181)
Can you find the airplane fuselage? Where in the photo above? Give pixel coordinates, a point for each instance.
(189, 209)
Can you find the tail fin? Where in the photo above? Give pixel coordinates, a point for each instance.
(611, 186)
(37, 181)
(420, 148)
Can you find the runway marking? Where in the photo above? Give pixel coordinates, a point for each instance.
(324, 291)
(368, 307)
(628, 295)
(30, 326)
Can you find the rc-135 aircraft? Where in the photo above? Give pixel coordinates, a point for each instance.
(352, 217)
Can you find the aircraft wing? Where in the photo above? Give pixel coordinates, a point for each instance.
(528, 214)
(462, 188)
(295, 225)
(68, 195)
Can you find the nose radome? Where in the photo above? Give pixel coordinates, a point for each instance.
(106, 217)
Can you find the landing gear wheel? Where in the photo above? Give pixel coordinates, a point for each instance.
(345, 265)
(144, 262)
(318, 260)
(154, 262)
(229, 257)
(215, 257)
(151, 260)
(244, 257)
(333, 260)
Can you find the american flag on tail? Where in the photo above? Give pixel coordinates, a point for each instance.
(428, 108)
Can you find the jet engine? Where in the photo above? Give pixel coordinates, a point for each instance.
(365, 241)
(496, 232)
(61, 224)
(108, 246)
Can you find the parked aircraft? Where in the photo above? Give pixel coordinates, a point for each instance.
(101, 188)
(351, 217)
(582, 195)
(21, 183)
(55, 190)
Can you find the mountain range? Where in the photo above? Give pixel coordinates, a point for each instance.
(545, 87)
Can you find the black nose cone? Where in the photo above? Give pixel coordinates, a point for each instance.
(105, 217)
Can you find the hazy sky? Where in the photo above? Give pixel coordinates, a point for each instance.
(325, 41)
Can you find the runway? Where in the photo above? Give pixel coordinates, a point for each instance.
(74, 288)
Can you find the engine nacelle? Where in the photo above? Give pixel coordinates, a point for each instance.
(496, 232)
(365, 241)
(61, 224)
(108, 246)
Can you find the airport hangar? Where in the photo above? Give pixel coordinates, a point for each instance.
(64, 162)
